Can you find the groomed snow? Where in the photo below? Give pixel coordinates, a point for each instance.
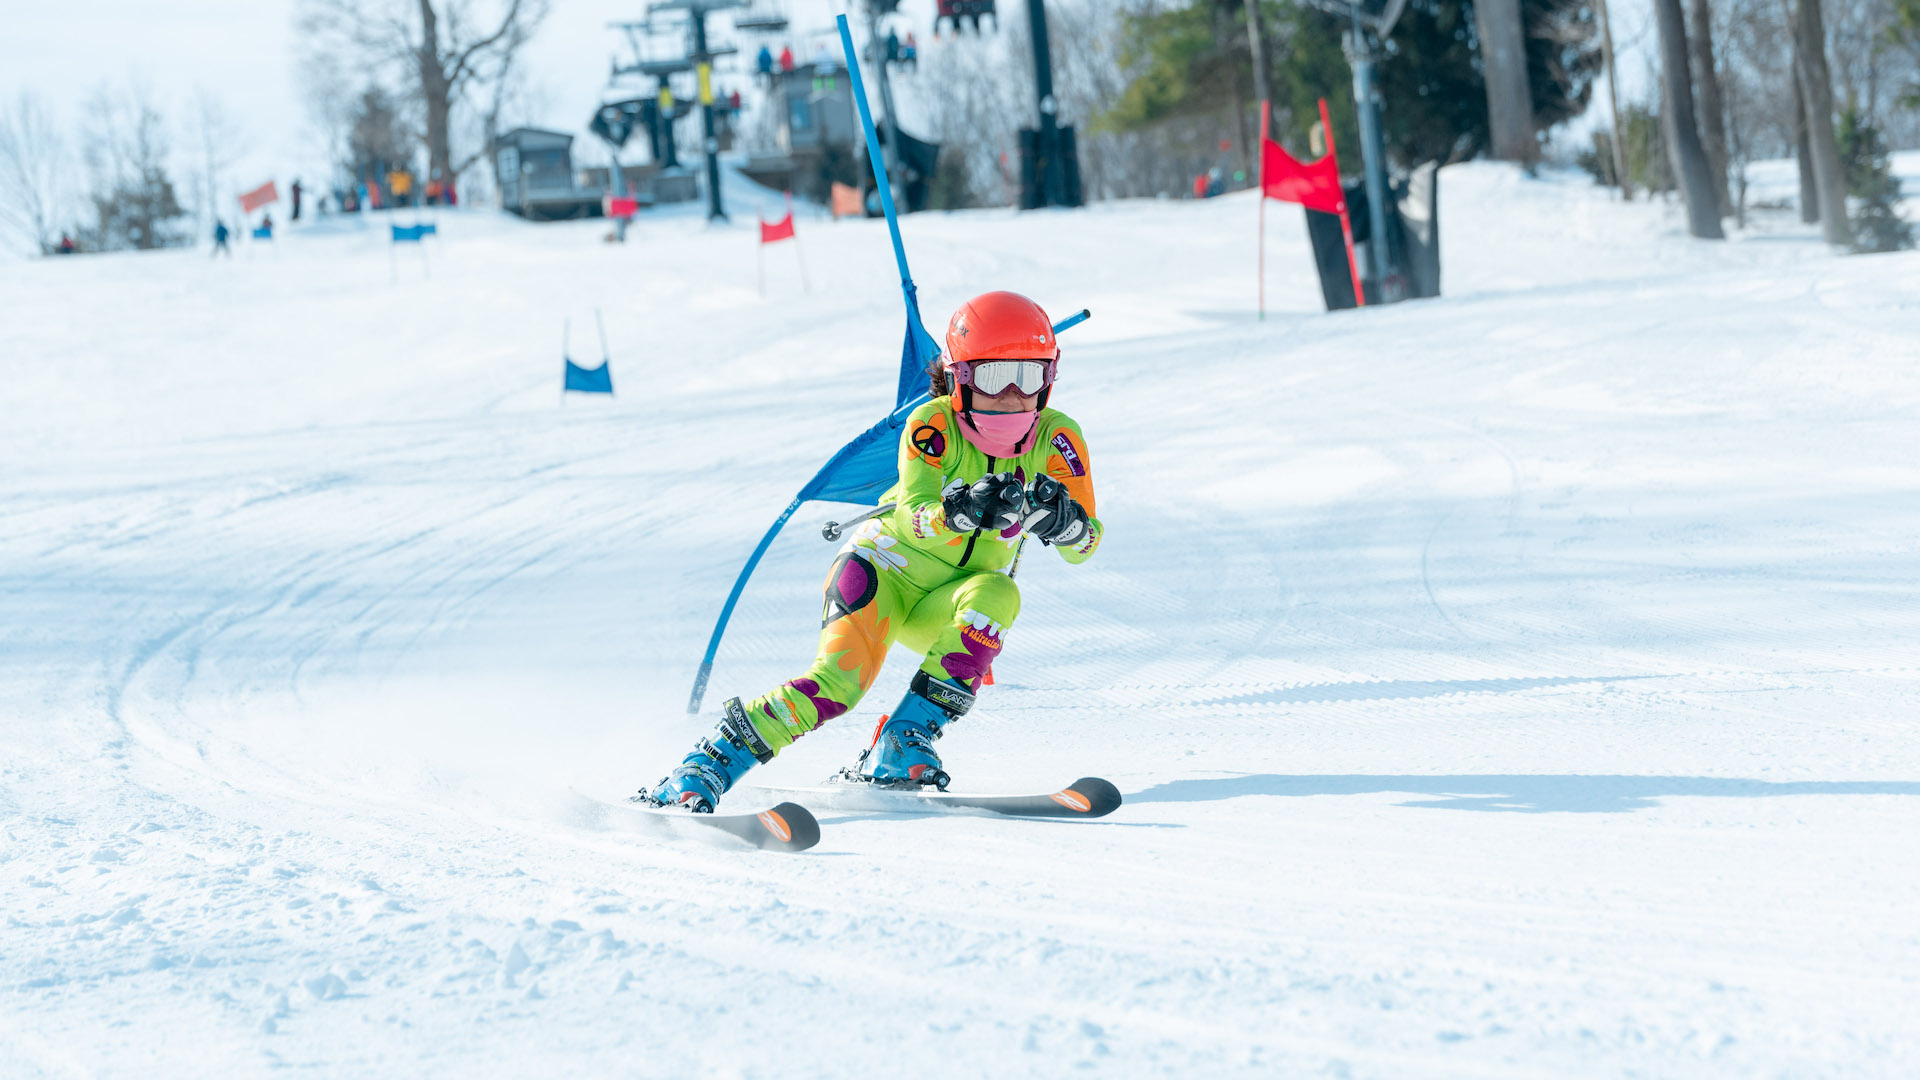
(1520, 684)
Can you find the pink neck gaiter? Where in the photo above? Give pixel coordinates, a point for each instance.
(999, 434)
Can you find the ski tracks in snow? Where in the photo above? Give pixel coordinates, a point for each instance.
(1510, 685)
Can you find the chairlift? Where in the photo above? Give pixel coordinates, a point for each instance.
(771, 21)
(958, 10)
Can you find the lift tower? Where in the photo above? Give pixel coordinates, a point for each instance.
(701, 56)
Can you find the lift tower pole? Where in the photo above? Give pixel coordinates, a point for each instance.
(1368, 30)
(702, 57)
(877, 54)
(1053, 176)
(1366, 100)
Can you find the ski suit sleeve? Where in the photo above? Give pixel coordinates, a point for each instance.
(1068, 462)
(924, 447)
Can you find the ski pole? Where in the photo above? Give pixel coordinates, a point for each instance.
(832, 529)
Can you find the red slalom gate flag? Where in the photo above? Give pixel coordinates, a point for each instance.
(1314, 185)
(259, 197)
(847, 201)
(779, 230)
(770, 233)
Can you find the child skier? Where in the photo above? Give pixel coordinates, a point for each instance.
(982, 466)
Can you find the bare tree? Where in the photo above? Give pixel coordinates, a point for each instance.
(1757, 87)
(1503, 53)
(448, 52)
(331, 97)
(1683, 137)
(214, 141)
(1617, 140)
(127, 150)
(985, 95)
(1816, 89)
(1803, 150)
(974, 117)
(1256, 46)
(1904, 36)
(1710, 106)
(1858, 52)
(33, 170)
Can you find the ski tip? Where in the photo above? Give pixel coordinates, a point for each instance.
(790, 827)
(1089, 796)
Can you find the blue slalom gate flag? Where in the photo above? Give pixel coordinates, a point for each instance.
(867, 466)
(598, 380)
(585, 380)
(411, 234)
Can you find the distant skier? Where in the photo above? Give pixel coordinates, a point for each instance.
(297, 191)
(220, 234)
(983, 466)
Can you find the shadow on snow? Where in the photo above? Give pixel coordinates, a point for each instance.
(1528, 794)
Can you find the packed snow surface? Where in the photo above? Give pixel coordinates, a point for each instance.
(1519, 684)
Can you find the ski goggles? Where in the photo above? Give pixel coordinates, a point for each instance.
(990, 377)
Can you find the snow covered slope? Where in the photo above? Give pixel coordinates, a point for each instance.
(1517, 684)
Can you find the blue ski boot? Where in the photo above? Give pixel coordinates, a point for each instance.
(713, 767)
(902, 753)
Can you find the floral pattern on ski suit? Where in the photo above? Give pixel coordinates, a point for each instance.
(908, 577)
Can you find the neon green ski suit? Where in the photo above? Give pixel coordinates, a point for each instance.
(906, 576)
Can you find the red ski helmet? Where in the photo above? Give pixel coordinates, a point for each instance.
(999, 326)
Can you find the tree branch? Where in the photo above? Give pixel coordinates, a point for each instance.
(463, 62)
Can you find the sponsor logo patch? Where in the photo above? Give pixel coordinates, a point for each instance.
(1067, 454)
(1072, 800)
(777, 825)
(980, 636)
(930, 441)
(783, 712)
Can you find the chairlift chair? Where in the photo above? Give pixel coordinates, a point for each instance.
(772, 20)
(957, 10)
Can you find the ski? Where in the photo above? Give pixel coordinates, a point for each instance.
(784, 827)
(1087, 797)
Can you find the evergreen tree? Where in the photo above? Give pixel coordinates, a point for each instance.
(1864, 157)
(134, 201)
(139, 212)
(1644, 148)
(1430, 75)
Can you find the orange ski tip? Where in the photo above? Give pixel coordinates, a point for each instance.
(778, 826)
(1072, 800)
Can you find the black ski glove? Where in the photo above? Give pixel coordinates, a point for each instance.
(993, 502)
(1052, 514)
